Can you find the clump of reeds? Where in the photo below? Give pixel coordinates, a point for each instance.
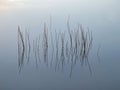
(74, 45)
(21, 48)
(86, 43)
(80, 45)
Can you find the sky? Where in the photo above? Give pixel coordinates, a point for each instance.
(7, 4)
(109, 8)
(57, 3)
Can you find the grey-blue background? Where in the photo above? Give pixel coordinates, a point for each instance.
(101, 16)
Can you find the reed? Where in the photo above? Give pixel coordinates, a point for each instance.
(20, 37)
(67, 50)
(57, 48)
(62, 49)
(45, 44)
(27, 44)
(70, 34)
(98, 51)
(76, 43)
(52, 44)
(35, 52)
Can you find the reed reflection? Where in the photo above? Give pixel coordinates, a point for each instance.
(24, 47)
(57, 49)
(21, 49)
(45, 44)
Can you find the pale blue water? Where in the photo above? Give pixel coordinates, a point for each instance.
(101, 17)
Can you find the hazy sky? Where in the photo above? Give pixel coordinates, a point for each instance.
(109, 8)
(6, 4)
(57, 3)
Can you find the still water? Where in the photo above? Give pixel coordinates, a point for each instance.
(59, 45)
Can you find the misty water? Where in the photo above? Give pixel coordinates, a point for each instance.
(60, 45)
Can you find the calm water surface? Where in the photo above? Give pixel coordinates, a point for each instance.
(49, 62)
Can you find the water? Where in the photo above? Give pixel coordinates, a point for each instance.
(99, 69)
